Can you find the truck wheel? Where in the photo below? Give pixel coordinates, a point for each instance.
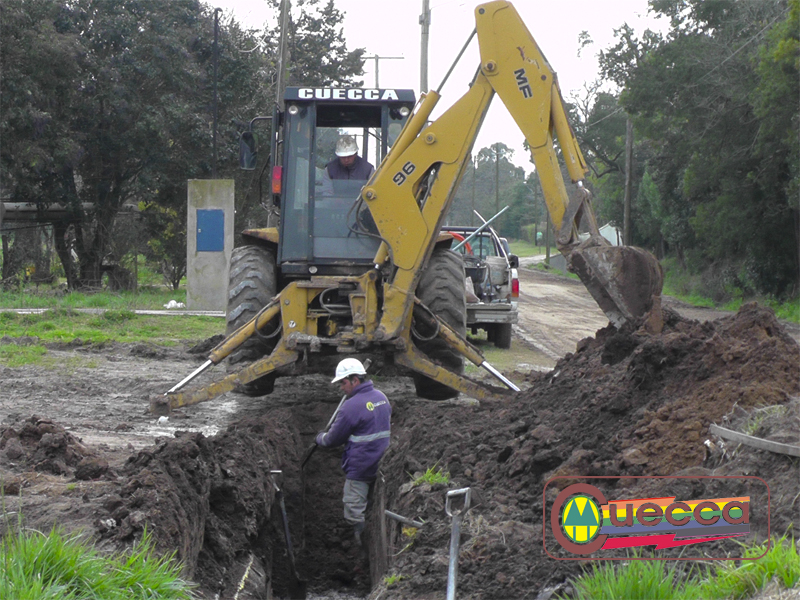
(502, 335)
(251, 285)
(441, 289)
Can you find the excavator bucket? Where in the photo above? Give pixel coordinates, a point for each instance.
(625, 281)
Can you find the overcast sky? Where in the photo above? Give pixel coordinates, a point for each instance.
(391, 28)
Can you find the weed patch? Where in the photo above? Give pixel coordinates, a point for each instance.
(433, 476)
(665, 580)
(57, 566)
(390, 580)
(14, 356)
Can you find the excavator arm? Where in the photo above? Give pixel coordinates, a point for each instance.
(412, 190)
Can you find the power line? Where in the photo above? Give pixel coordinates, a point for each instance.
(740, 48)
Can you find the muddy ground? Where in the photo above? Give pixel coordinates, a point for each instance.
(78, 448)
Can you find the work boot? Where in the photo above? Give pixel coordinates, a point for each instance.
(358, 530)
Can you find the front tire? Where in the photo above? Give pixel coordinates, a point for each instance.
(252, 283)
(441, 289)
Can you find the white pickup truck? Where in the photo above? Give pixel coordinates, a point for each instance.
(492, 284)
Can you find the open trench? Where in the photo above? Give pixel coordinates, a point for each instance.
(215, 500)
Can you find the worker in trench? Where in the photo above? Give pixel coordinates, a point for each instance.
(363, 425)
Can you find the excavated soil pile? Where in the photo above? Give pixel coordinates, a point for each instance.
(45, 447)
(626, 403)
(207, 499)
(211, 499)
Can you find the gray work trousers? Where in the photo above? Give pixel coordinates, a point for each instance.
(355, 498)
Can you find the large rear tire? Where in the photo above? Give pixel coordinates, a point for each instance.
(502, 335)
(441, 289)
(252, 283)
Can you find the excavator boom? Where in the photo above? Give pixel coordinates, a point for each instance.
(413, 188)
(626, 282)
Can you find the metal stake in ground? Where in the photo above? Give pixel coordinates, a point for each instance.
(455, 536)
(297, 586)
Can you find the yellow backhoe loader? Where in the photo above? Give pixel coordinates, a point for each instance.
(361, 268)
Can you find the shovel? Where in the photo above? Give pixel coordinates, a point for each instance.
(310, 451)
(297, 586)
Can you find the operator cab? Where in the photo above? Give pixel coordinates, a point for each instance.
(324, 224)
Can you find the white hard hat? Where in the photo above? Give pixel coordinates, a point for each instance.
(346, 146)
(348, 367)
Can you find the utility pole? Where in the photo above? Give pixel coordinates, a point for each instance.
(216, 60)
(425, 22)
(473, 162)
(496, 178)
(626, 213)
(379, 58)
(286, 6)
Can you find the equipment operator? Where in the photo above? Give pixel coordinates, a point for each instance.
(363, 425)
(348, 164)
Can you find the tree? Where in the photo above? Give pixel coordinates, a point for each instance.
(709, 99)
(319, 54)
(106, 117)
(109, 103)
(479, 181)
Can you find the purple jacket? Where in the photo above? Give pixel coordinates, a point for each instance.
(363, 425)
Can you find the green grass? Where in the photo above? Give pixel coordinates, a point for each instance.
(548, 269)
(732, 580)
(523, 248)
(667, 580)
(148, 298)
(758, 415)
(635, 580)
(788, 311)
(433, 476)
(36, 566)
(64, 325)
(13, 356)
(694, 289)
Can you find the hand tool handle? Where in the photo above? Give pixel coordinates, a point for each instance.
(313, 447)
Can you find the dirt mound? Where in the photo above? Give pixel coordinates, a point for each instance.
(626, 403)
(210, 500)
(44, 446)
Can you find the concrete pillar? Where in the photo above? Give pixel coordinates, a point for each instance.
(209, 243)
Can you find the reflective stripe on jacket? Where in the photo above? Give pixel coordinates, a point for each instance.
(363, 425)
